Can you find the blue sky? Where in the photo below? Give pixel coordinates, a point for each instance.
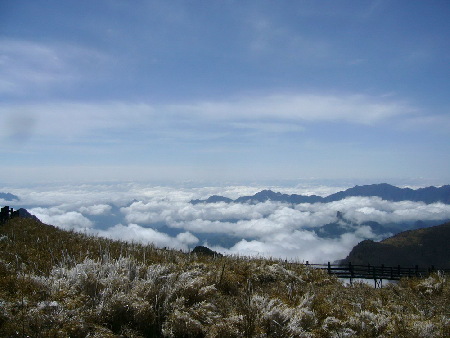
(224, 90)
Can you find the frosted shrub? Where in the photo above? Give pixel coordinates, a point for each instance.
(425, 329)
(369, 323)
(45, 314)
(280, 320)
(4, 313)
(156, 272)
(188, 321)
(304, 319)
(433, 284)
(331, 324)
(227, 327)
(181, 324)
(335, 328)
(117, 311)
(207, 291)
(92, 277)
(192, 286)
(50, 318)
(274, 272)
(277, 319)
(282, 273)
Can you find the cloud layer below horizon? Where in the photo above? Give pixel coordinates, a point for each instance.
(163, 216)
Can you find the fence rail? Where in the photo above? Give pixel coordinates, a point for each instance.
(377, 273)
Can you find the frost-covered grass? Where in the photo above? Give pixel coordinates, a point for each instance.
(59, 284)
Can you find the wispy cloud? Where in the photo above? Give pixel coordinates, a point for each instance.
(353, 108)
(28, 67)
(119, 121)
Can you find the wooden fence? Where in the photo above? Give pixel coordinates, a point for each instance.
(376, 273)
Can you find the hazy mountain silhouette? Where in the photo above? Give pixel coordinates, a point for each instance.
(269, 195)
(391, 193)
(213, 199)
(384, 191)
(8, 197)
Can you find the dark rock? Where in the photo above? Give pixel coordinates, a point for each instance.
(203, 250)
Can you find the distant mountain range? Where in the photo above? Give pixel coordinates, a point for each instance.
(384, 191)
(8, 197)
(424, 247)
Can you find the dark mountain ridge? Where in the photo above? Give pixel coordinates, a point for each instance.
(384, 191)
(424, 247)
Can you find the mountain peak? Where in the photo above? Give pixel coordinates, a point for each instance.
(383, 190)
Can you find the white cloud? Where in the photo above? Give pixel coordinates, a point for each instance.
(136, 233)
(172, 211)
(65, 220)
(98, 209)
(73, 197)
(269, 228)
(187, 238)
(297, 245)
(363, 209)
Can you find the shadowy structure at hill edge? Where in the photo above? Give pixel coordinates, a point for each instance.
(6, 213)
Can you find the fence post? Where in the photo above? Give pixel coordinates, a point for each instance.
(417, 270)
(350, 267)
(4, 214)
(329, 268)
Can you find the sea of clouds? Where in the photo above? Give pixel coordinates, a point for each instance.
(164, 216)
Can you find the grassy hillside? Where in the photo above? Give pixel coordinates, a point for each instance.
(55, 283)
(424, 247)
